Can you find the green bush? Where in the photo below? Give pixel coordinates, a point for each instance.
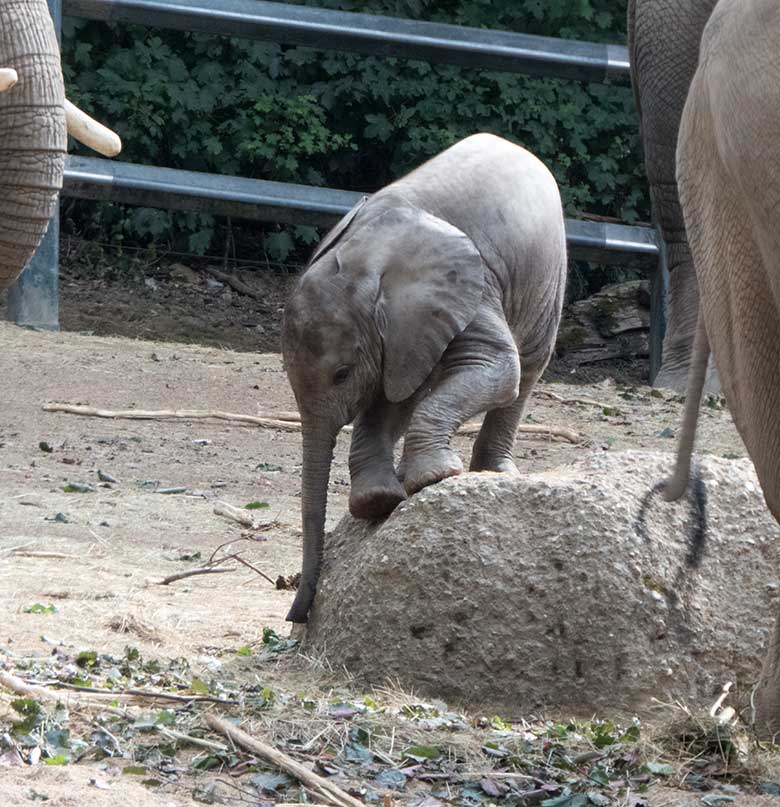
(343, 120)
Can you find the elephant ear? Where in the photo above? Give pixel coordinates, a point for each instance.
(332, 237)
(430, 284)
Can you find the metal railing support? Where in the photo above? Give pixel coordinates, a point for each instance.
(33, 301)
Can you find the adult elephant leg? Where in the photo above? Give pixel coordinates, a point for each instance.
(731, 197)
(479, 371)
(375, 490)
(32, 132)
(664, 38)
(767, 694)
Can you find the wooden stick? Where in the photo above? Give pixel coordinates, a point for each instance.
(186, 738)
(285, 421)
(172, 578)
(253, 568)
(133, 693)
(332, 793)
(543, 393)
(528, 428)
(235, 283)
(27, 553)
(183, 414)
(243, 517)
(39, 693)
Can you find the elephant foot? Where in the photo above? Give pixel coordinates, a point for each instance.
(498, 465)
(375, 501)
(430, 469)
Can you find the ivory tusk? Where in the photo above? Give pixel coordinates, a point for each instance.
(8, 77)
(91, 133)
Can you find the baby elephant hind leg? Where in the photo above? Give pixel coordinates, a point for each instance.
(494, 447)
(480, 371)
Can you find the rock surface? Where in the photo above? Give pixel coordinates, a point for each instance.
(543, 592)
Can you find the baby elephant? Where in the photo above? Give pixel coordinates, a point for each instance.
(433, 300)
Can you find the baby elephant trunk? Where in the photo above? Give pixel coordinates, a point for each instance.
(318, 443)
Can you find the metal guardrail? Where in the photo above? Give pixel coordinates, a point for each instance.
(262, 200)
(34, 300)
(366, 33)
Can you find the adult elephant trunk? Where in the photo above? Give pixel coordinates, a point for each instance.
(319, 440)
(663, 40)
(33, 137)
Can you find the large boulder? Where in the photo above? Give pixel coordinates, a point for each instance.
(557, 591)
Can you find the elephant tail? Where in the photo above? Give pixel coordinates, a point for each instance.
(674, 487)
(697, 504)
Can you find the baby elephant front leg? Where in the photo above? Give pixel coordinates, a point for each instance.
(480, 372)
(375, 490)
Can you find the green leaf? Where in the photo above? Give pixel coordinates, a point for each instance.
(421, 753)
(87, 659)
(59, 759)
(45, 447)
(134, 770)
(198, 687)
(244, 651)
(38, 608)
(256, 505)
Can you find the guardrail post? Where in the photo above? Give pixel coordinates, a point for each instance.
(33, 301)
(659, 285)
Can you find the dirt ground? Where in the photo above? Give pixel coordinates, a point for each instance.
(98, 556)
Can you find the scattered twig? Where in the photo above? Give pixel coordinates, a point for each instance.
(28, 553)
(543, 393)
(18, 686)
(243, 517)
(527, 428)
(322, 787)
(234, 282)
(115, 740)
(172, 734)
(274, 422)
(133, 693)
(250, 566)
(172, 578)
(285, 421)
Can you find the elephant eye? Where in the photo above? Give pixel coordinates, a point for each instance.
(340, 376)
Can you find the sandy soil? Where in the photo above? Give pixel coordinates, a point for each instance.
(111, 545)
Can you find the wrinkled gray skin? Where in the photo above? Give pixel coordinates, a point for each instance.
(663, 41)
(729, 178)
(436, 299)
(32, 132)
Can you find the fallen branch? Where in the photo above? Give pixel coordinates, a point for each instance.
(528, 428)
(172, 734)
(275, 422)
(133, 693)
(284, 421)
(28, 553)
(172, 578)
(584, 401)
(253, 568)
(14, 684)
(243, 517)
(324, 788)
(235, 284)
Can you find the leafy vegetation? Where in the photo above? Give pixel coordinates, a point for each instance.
(384, 747)
(264, 110)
